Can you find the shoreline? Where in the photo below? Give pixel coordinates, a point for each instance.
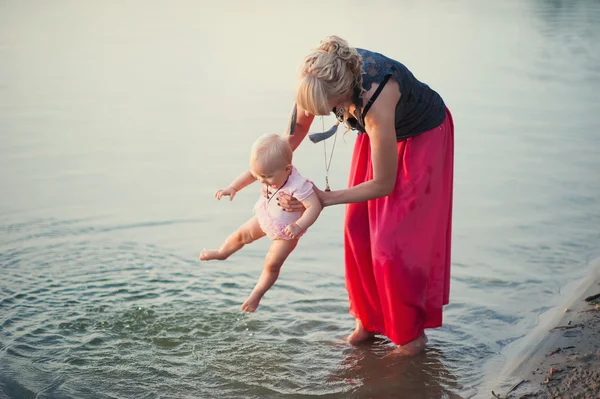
(561, 358)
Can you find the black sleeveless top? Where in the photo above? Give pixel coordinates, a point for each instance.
(419, 109)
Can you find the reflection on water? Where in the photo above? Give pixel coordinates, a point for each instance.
(119, 120)
(377, 373)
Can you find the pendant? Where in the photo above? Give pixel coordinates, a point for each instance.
(327, 184)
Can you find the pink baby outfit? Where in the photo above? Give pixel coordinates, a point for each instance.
(272, 219)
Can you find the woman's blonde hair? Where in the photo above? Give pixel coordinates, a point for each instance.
(271, 149)
(331, 70)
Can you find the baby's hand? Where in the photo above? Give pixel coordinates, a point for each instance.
(229, 191)
(293, 230)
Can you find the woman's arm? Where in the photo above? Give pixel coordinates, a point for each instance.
(380, 125)
(303, 122)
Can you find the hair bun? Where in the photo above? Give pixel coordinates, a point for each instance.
(339, 47)
(332, 70)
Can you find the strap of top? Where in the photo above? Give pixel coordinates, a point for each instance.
(375, 95)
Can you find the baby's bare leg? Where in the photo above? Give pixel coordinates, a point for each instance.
(247, 233)
(278, 253)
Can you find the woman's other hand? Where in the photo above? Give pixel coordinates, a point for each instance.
(289, 203)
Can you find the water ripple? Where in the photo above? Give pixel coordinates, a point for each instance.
(107, 314)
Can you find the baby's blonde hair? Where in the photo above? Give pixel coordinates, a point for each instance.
(271, 149)
(331, 70)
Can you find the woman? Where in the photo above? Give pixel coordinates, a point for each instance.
(399, 198)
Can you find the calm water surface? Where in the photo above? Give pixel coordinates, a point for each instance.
(119, 120)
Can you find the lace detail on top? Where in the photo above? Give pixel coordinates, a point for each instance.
(419, 109)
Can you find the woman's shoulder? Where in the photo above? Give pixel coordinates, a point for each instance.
(377, 66)
(373, 57)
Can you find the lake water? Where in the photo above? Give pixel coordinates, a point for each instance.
(119, 120)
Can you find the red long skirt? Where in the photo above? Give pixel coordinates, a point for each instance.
(397, 248)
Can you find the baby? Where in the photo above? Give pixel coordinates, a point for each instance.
(271, 164)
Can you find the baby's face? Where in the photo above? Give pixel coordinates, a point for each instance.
(273, 176)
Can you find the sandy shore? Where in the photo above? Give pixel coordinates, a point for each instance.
(564, 356)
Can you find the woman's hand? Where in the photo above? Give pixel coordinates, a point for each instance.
(322, 195)
(291, 204)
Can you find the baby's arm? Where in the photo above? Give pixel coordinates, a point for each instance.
(310, 215)
(239, 183)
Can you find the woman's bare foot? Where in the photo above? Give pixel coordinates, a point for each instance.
(412, 348)
(360, 334)
(212, 255)
(251, 304)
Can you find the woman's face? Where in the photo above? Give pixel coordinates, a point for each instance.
(334, 101)
(339, 101)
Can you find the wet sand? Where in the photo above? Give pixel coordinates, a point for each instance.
(564, 356)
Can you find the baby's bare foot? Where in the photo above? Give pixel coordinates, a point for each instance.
(211, 255)
(251, 304)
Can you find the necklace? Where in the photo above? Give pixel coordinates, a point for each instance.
(276, 191)
(328, 164)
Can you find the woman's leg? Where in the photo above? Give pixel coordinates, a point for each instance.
(360, 280)
(410, 232)
(359, 334)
